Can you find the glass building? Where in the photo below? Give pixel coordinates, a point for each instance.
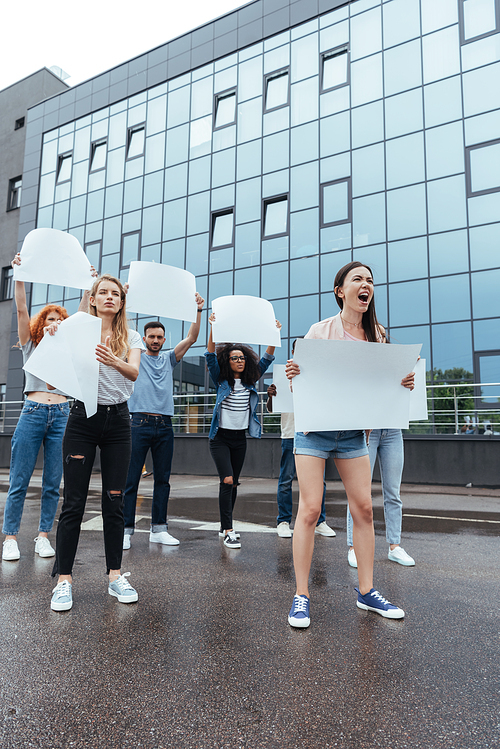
(266, 149)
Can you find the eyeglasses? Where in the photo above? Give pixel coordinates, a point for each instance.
(237, 358)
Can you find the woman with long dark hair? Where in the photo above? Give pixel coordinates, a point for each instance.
(42, 422)
(234, 370)
(357, 321)
(118, 355)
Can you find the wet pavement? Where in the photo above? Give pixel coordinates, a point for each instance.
(206, 658)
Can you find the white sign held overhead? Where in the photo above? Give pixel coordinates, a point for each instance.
(244, 319)
(418, 396)
(67, 360)
(54, 257)
(161, 291)
(350, 385)
(283, 400)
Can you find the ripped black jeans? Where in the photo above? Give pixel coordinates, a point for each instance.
(109, 429)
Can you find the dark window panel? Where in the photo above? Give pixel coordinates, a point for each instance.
(14, 198)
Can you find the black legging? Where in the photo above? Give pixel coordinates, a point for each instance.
(228, 449)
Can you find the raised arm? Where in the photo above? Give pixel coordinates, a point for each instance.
(210, 342)
(23, 318)
(270, 349)
(193, 332)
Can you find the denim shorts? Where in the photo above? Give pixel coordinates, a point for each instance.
(346, 444)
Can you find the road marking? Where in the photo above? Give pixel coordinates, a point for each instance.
(439, 517)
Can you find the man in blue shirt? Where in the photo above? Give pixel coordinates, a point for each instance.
(152, 407)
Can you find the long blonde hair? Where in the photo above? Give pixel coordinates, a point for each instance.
(119, 341)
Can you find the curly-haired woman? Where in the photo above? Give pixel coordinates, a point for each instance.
(235, 369)
(42, 422)
(118, 355)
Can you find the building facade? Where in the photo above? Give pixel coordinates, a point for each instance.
(269, 147)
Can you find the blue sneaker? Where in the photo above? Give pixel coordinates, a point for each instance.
(299, 613)
(373, 601)
(121, 589)
(62, 600)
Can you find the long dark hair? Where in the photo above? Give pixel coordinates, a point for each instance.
(371, 325)
(250, 374)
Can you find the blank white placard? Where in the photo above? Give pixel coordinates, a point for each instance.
(418, 396)
(55, 257)
(283, 400)
(244, 319)
(161, 291)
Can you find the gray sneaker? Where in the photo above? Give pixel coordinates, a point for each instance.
(62, 599)
(121, 589)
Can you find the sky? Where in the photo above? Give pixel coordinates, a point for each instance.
(87, 38)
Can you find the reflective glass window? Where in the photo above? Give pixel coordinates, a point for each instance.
(133, 195)
(304, 233)
(335, 167)
(44, 218)
(335, 202)
(420, 334)
(178, 106)
(409, 303)
(222, 229)
(443, 101)
(481, 90)
(489, 371)
(335, 69)
(223, 197)
(151, 225)
(174, 219)
(157, 115)
(199, 175)
(277, 58)
(305, 143)
(198, 213)
(304, 182)
(304, 312)
(81, 148)
(277, 89)
(221, 260)
(95, 206)
(249, 120)
(250, 79)
(281, 312)
(368, 124)
(405, 160)
(247, 281)
(366, 80)
(248, 160)
(152, 253)
(155, 152)
(64, 164)
(444, 150)
(406, 212)
(452, 347)
(403, 113)
(98, 156)
(448, 252)
(278, 119)
(447, 209)
(77, 211)
(407, 259)
(223, 167)
(115, 166)
(450, 298)
(479, 17)
(335, 134)
(274, 281)
(336, 237)
(202, 97)
(201, 138)
(366, 34)
(225, 109)
(220, 284)
(129, 249)
(438, 15)
(485, 247)
(304, 276)
(275, 216)
(177, 145)
(131, 221)
(368, 170)
(368, 220)
(333, 36)
(135, 142)
(402, 67)
(226, 73)
(441, 54)
(484, 209)
(276, 151)
(196, 254)
(275, 249)
(330, 264)
(176, 181)
(480, 53)
(487, 335)
(334, 101)
(304, 58)
(376, 258)
(248, 201)
(401, 21)
(47, 186)
(49, 157)
(305, 100)
(134, 168)
(173, 252)
(247, 245)
(97, 180)
(484, 164)
(93, 252)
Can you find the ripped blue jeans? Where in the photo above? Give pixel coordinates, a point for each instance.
(109, 429)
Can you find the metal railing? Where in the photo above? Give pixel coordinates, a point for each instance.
(450, 406)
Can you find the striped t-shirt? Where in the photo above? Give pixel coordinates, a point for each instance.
(235, 409)
(113, 387)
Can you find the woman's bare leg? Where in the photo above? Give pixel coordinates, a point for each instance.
(310, 471)
(356, 477)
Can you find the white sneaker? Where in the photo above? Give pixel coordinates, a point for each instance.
(10, 550)
(231, 541)
(43, 547)
(162, 537)
(400, 556)
(283, 530)
(127, 537)
(351, 558)
(324, 530)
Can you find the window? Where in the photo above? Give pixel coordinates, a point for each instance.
(483, 168)
(130, 248)
(98, 155)
(478, 18)
(64, 164)
(223, 228)
(487, 369)
(277, 90)
(275, 216)
(225, 109)
(14, 198)
(19, 123)
(135, 141)
(334, 68)
(7, 283)
(336, 202)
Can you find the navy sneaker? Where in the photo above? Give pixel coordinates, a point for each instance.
(373, 601)
(299, 613)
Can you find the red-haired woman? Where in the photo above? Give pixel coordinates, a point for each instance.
(42, 421)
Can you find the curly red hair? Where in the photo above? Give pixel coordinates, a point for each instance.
(37, 322)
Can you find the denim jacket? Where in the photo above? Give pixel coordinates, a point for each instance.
(224, 389)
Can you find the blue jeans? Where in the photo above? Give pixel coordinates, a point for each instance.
(38, 424)
(287, 473)
(150, 432)
(387, 444)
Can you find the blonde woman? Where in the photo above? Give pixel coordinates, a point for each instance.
(118, 355)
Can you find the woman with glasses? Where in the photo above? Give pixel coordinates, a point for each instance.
(234, 370)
